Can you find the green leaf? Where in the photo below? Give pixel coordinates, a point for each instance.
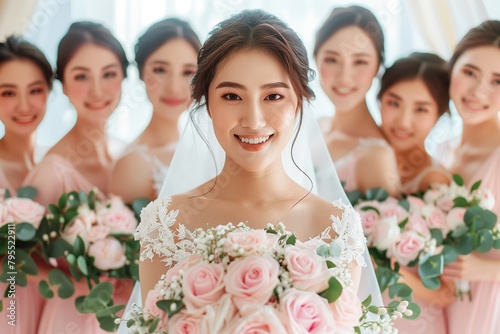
(82, 265)
(58, 247)
(405, 204)
(79, 246)
(170, 306)
(354, 196)
(82, 197)
(6, 194)
(450, 255)
(138, 204)
(461, 230)
(335, 250)
(485, 241)
(65, 288)
(63, 200)
(108, 323)
(369, 207)
(416, 311)
(98, 299)
(386, 277)
(431, 283)
(73, 199)
(112, 310)
(25, 262)
(45, 290)
(458, 180)
(323, 250)
(460, 202)
(400, 290)
(25, 231)
(291, 239)
(377, 194)
(467, 243)
(27, 192)
(367, 301)
(475, 186)
(333, 292)
(437, 235)
(431, 268)
(330, 264)
(373, 309)
(496, 244)
(54, 209)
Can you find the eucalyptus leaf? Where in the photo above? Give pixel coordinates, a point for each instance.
(45, 290)
(25, 231)
(25, 262)
(467, 243)
(437, 235)
(377, 194)
(415, 309)
(449, 254)
(27, 192)
(431, 268)
(485, 241)
(65, 288)
(431, 283)
(400, 290)
(82, 265)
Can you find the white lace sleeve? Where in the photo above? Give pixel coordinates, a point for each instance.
(350, 239)
(154, 231)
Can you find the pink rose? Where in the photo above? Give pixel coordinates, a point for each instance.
(184, 264)
(388, 209)
(251, 280)
(4, 215)
(218, 316)
(346, 311)
(435, 218)
(369, 220)
(259, 320)
(150, 307)
(386, 232)
(202, 284)
(250, 242)
(108, 254)
(406, 247)
(455, 218)
(79, 227)
(445, 203)
(418, 224)
(306, 312)
(97, 232)
(119, 219)
(307, 269)
(416, 204)
(25, 210)
(184, 323)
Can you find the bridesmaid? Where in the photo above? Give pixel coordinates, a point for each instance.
(475, 92)
(413, 95)
(349, 51)
(166, 59)
(91, 65)
(25, 82)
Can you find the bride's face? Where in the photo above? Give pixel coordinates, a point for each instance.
(253, 107)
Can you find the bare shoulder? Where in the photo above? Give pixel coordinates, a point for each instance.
(320, 212)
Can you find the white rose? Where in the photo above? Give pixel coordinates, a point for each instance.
(485, 198)
(386, 232)
(455, 218)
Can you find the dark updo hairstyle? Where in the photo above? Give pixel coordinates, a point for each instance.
(429, 68)
(485, 34)
(160, 33)
(16, 47)
(357, 16)
(253, 29)
(85, 32)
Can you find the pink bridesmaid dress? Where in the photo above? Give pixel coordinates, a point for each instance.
(60, 315)
(482, 314)
(28, 302)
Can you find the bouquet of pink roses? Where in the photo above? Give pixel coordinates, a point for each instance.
(20, 218)
(429, 230)
(240, 280)
(94, 238)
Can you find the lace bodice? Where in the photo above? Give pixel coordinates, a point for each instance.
(160, 234)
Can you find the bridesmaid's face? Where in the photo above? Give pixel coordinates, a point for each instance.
(347, 63)
(167, 75)
(92, 82)
(23, 96)
(253, 108)
(408, 114)
(475, 84)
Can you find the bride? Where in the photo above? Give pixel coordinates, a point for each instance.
(252, 78)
